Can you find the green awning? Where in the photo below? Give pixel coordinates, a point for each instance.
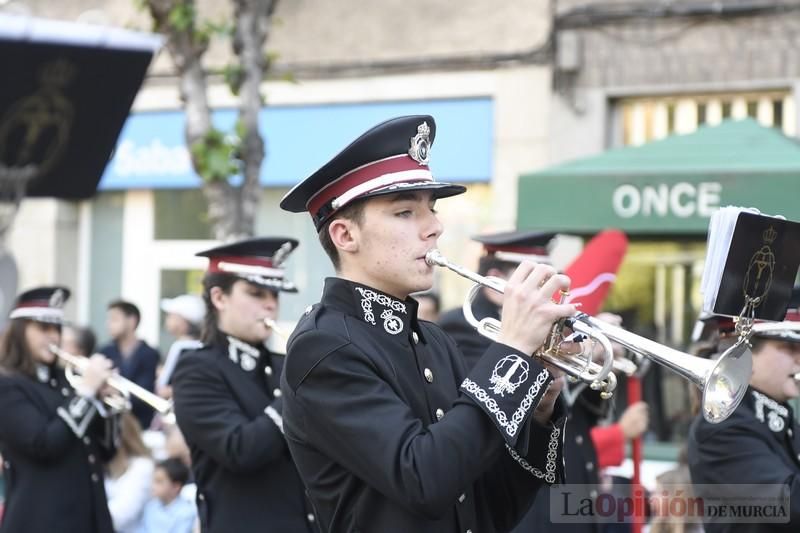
(667, 187)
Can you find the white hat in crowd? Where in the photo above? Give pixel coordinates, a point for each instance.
(188, 306)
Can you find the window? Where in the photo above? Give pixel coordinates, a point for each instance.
(777, 113)
(645, 119)
(181, 214)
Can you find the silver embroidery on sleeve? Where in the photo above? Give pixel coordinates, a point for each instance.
(511, 426)
(552, 456)
(503, 374)
(275, 416)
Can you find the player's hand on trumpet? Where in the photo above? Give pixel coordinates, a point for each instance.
(529, 311)
(95, 374)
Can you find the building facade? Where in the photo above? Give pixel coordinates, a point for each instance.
(484, 75)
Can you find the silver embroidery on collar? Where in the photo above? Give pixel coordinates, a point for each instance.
(382, 299)
(391, 323)
(242, 353)
(366, 306)
(503, 376)
(776, 414)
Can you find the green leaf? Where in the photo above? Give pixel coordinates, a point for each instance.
(215, 156)
(234, 77)
(182, 16)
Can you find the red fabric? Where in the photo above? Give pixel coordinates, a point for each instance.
(533, 250)
(609, 443)
(362, 175)
(33, 303)
(595, 268)
(213, 266)
(635, 396)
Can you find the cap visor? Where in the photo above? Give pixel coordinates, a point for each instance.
(440, 190)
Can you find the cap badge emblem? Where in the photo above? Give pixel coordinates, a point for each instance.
(420, 150)
(281, 254)
(57, 299)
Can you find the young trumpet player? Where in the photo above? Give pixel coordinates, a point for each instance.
(389, 430)
(53, 439)
(227, 400)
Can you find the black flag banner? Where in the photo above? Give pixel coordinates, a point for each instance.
(66, 91)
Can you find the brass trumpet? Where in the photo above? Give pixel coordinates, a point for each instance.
(125, 388)
(723, 381)
(580, 366)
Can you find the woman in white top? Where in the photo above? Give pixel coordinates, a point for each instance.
(129, 476)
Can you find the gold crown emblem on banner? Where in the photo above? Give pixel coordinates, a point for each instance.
(769, 235)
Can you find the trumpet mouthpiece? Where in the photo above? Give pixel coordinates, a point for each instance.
(435, 258)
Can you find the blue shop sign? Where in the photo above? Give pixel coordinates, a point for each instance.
(152, 153)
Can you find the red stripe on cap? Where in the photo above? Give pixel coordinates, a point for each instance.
(531, 250)
(361, 175)
(33, 303)
(213, 266)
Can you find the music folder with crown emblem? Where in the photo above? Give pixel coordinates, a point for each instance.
(751, 264)
(66, 92)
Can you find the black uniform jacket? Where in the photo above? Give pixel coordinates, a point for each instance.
(227, 404)
(757, 444)
(54, 445)
(471, 343)
(391, 434)
(585, 409)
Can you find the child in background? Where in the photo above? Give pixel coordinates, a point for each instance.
(167, 511)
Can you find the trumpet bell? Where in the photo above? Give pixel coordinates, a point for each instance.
(723, 381)
(726, 382)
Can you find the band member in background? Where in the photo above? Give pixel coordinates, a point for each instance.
(389, 430)
(227, 400)
(54, 439)
(759, 444)
(503, 252)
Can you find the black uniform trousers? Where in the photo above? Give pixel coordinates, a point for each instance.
(54, 445)
(227, 404)
(757, 445)
(391, 434)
